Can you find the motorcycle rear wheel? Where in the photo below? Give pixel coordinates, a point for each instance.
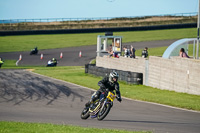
(85, 113)
(104, 112)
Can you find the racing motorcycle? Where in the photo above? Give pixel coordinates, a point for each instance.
(100, 108)
(34, 51)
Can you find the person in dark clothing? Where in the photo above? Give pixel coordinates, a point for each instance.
(145, 53)
(107, 84)
(132, 52)
(126, 51)
(34, 51)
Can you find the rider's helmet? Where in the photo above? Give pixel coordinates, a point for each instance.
(113, 75)
(53, 59)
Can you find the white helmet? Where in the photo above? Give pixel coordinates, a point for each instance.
(113, 75)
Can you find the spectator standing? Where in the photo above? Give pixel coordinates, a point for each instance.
(183, 54)
(132, 52)
(110, 51)
(126, 52)
(145, 52)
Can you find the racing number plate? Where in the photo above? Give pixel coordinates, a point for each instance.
(111, 96)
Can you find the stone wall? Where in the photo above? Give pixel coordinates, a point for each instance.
(176, 74)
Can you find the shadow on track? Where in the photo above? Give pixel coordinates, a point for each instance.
(21, 87)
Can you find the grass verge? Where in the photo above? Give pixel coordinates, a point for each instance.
(21, 127)
(28, 42)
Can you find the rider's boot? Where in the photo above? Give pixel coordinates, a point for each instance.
(89, 102)
(94, 97)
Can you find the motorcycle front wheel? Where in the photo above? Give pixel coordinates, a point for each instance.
(85, 113)
(104, 112)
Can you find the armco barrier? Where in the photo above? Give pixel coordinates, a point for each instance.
(127, 76)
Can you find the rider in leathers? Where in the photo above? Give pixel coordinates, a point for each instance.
(107, 84)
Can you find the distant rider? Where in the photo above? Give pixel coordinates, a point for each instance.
(34, 51)
(107, 84)
(52, 62)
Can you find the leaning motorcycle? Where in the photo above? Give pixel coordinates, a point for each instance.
(33, 51)
(100, 108)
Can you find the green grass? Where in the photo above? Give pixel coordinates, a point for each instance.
(28, 42)
(21, 127)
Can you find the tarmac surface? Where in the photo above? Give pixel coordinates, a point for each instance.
(29, 97)
(71, 55)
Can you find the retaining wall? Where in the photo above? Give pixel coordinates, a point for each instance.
(176, 74)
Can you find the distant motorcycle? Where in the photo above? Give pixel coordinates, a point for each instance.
(100, 108)
(52, 63)
(34, 51)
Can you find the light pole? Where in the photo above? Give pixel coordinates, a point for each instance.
(198, 23)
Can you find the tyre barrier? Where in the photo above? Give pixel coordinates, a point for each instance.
(127, 76)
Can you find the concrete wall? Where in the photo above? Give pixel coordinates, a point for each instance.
(177, 74)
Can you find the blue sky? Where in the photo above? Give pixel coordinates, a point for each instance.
(34, 9)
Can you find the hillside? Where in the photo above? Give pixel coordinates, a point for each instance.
(57, 24)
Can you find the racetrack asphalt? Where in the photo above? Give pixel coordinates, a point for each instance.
(30, 97)
(71, 55)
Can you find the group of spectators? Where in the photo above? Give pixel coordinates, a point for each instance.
(131, 52)
(128, 52)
